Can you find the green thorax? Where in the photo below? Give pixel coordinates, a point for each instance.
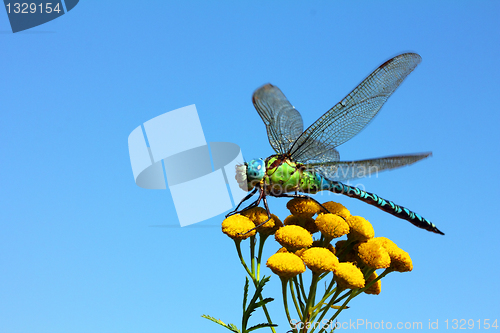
(283, 176)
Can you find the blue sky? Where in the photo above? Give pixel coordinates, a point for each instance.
(77, 250)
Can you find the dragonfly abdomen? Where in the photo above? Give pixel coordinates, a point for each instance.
(386, 205)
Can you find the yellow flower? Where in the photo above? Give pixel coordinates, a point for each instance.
(385, 242)
(348, 275)
(282, 250)
(293, 237)
(319, 259)
(331, 225)
(305, 222)
(373, 254)
(360, 228)
(400, 260)
(303, 207)
(336, 208)
(375, 288)
(286, 265)
(236, 226)
(259, 215)
(256, 214)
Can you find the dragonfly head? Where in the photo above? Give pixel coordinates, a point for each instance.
(248, 175)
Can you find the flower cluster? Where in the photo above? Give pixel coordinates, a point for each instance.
(310, 240)
(361, 252)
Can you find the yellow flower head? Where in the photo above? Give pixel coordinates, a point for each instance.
(336, 208)
(286, 265)
(282, 250)
(305, 222)
(375, 288)
(400, 260)
(256, 214)
(331, 225)
(319, 259)
(385, 242)
(293, 237)
(360, 228)
(236, 226)
(348, 275)
(373, 255)
(259, 215)
(303, 207)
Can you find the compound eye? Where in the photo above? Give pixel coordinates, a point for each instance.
(259, 167)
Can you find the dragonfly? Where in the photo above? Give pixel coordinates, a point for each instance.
(308, 161)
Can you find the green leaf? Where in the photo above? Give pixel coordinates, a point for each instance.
(261, 326)
(264, 301)
(254, 304)
(245, 294)
(258, 289)
(230, 327)
(234, 328)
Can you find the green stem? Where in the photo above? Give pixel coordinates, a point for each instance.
(338, 290)
(252, 253)
(353, 293)
(238, 249)
(301, 284)
(297, 308)
(262, 240)
(285, 302)
(255, 281)
(328, 290)
(322, 240)
(330, 286)
(310, 301)
(343, 296)
(297, 286)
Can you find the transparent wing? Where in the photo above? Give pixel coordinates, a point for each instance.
(321, 153)
(357, 109)
(346, 170)
(283, 122)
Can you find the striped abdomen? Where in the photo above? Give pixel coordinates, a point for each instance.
(386, 205)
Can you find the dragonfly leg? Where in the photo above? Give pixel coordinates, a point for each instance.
(249, 195)
(255, 203)
(262, 197)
